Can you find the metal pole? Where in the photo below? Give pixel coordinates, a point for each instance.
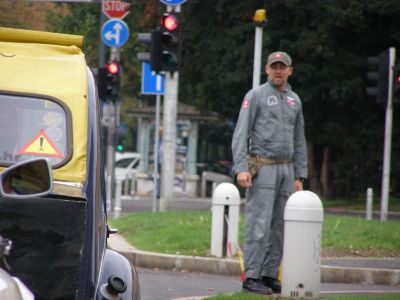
(259, 21)
(155, 153)
(169, 139)
(388, 139)
(257, 56)
(102, 47)
(111, 139)
(110, 155)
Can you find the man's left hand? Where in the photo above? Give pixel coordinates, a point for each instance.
(298, 185)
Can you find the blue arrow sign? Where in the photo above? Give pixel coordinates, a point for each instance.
(152, 83)
(173, 2)
(114, 33)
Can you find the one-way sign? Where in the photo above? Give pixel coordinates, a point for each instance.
(152, 83)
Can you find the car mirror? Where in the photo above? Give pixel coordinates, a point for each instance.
(30, 178)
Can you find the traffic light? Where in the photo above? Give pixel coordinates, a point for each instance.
(109, 81)
(144, 38)
(120, 147)
(113, 79)
(378, 76)
(396, 83)
(170, 42)
(154, 56)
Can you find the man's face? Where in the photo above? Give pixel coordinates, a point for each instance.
(278, 73)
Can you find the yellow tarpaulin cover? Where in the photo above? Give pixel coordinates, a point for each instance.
(50, 64)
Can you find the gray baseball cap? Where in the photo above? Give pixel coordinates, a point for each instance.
(279, 56)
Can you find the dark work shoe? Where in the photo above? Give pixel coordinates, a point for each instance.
(255, 286)
(273, 283)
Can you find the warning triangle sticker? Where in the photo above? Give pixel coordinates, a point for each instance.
(41, 145)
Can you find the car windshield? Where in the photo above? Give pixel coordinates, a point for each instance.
(126, 162)
(32, 127)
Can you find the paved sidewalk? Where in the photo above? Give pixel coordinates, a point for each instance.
(368, 271)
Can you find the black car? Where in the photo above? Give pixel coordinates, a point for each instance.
(49, 109)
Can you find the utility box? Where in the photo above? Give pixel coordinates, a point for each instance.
(225, 220)
(301, 276)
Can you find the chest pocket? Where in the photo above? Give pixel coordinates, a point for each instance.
(271, 108)
(290, 114)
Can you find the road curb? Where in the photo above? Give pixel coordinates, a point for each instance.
(367, 276)
(226, 266)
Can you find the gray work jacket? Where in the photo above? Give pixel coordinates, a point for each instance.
(273, 121)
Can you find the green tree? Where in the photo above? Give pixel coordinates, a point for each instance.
(329, 41)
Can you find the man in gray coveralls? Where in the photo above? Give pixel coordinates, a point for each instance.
(272, 165)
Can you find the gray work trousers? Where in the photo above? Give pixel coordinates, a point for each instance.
(266, 199)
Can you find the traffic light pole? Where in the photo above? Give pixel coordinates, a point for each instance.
(111, 143)
(169, 139)
(388, 139)
(156, 153)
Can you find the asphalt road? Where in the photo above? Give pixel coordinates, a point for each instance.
(158, 284)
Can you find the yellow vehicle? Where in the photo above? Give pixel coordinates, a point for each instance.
(49, 109)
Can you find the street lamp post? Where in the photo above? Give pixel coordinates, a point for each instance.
(259, 21)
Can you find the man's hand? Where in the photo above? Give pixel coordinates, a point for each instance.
(244, 179)
(298, 185)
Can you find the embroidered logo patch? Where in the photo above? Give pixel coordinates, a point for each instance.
(272, 100)
(246, 103)
(290, 101)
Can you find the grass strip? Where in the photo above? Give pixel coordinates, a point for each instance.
(189, 233)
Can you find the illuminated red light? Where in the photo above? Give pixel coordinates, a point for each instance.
(112, 68)
(169, 22)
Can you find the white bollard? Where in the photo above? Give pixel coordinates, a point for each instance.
(118, 193)
(225, 220)
(126, 183)
(108, 193)
(133, 183)
(368, 211)
(301, 275)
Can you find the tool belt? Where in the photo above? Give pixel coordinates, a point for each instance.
(256, 162)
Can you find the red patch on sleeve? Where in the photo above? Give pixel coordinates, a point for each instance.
(246, 103)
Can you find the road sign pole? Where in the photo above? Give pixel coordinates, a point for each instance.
(388, 139)
(169, 139)
(155, 153)
(111, 140)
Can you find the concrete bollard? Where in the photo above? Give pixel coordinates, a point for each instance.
(368, 210)
(301, 275)
(133, 183)
(118, 193)
(225, 220)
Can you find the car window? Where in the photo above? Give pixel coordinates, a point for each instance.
(32, 127)
(136, 164)
(124, 162)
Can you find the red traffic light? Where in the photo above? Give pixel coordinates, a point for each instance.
(112, 68)
(169, 22)
(397, 77)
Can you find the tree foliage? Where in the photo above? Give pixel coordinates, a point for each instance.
(329, 41)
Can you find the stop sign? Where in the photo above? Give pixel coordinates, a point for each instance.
(115, 9)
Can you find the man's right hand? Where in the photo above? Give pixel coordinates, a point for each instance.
(244, 179)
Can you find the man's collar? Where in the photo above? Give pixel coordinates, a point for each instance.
(285, 89)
